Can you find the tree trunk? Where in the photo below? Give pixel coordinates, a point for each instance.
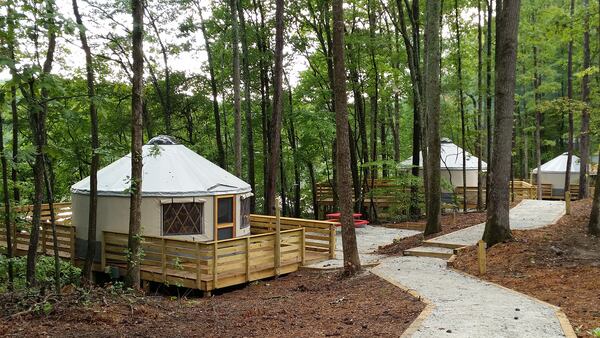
(168, 111)
(584, 142)
(344, 188)
(313, 189)
(488, 99)
(237, 107)
(570, 104)
(538, 125)
(479, 146)
(8, 222)
(497, 228)
(247, 106)
(37, 120)
(13, 106)
(276, 118)
(50, 199)
(91, 247)
(432, 108)
(132, 279)
(374, 97)
(594, 224)
(461, 100)
(213, 86)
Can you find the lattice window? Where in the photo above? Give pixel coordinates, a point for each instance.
(183, 218)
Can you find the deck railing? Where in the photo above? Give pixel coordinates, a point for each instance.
(212, 265)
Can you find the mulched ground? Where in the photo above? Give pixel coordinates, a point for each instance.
(461, 221)
(302, 304)
(559, 264)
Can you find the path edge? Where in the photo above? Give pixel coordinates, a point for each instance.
(429, 305)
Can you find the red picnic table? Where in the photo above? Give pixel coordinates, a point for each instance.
(358, 223)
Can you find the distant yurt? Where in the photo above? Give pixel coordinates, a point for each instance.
(553, 173)
(451, 165)
(184, 196)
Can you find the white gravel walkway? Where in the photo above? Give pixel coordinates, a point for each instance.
(461, 305)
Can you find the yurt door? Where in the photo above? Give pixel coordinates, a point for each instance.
(225, 217)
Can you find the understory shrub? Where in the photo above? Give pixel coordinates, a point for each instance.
(69, 274)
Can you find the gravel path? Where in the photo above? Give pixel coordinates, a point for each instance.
(463, 306)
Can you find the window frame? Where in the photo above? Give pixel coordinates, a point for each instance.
(201, 202)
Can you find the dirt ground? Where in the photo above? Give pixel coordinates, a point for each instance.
(559, 264)
(302, 304)
(461, 221)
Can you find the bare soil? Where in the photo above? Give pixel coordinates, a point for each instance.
(302, 304)
(559, 264)
(461, 221)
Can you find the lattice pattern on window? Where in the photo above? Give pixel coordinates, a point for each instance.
(245, 212)
(182, 218)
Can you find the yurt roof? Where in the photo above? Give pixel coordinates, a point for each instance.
(169, 170)
(450, 158)
(559, 165)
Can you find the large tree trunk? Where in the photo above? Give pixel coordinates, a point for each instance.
(132, 279)
(570, 108)
(237, 107)
(276, 118)
(213, 86)
(584, 138)
(461, 101)
(594, 224)
(91, 248)
(344, 187)
(497, 228)
(432, 108)
(247, 106)
(37, 120)
(488, 100)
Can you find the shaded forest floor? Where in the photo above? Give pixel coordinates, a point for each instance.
(461, 221)
(559, 264)
(302, 304)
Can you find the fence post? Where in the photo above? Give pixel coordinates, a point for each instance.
(303, 246)
(163, 259)
(215, 256)
(481, 257)
(248, 259)
(43, 238)
(332, 241)
(568, 202)
(72, 245)
(198, 264)
(103, 253)
(277, 246)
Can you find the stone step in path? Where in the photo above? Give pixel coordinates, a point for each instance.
(430, 251)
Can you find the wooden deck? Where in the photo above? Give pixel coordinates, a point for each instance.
(199, 265)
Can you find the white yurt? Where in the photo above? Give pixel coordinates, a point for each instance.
(451, 164)
(183, 195)
(553, 172)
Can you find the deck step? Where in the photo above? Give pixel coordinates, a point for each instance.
(430, 251)
(433, 243)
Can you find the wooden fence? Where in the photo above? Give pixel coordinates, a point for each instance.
(320, 235)
(212, 265)
(65, 232)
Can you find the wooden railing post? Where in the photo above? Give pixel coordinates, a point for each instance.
(198, 265)
(72, 245)
(43, 238)
(303, 246)
(215, 257)
(332, 240)
(568, 202)
(277, 246)
(248, 259)
(163, 259)
(481, 257)
(103, 257)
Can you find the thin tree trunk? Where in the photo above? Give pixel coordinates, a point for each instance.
(497, 228)
(37, 119)
(276, 119)
(214, 91)
(479, 147)
(13, 106)
(432, 108)
(584, 145)
(461, 100)
(570, 108)
(313, 189)
(247, 105)
(594, 224)
(91, 248)
(50, 198)
(374, 98)
(132, 279)
(351, 259)
(8, 222)
(168, 110)
(538, 125)
(237, 107)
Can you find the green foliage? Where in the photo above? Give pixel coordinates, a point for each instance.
(69, 274)
(595, 332)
